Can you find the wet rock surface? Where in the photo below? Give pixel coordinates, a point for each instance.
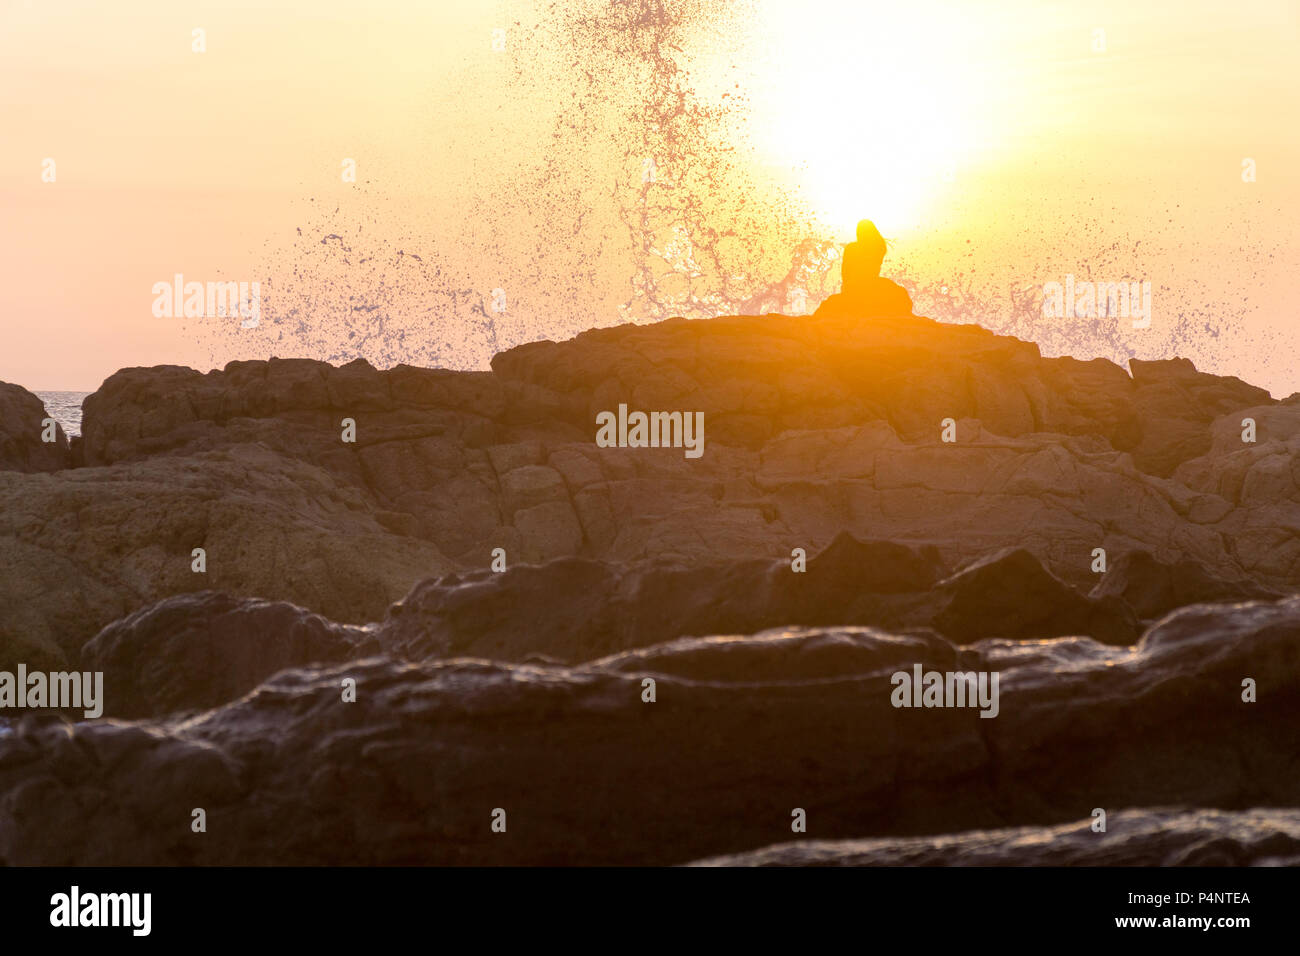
(1166, 837)
(742, 731)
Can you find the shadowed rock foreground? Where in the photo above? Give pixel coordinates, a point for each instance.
(742, 730)
(1134, 838)
(329, 561)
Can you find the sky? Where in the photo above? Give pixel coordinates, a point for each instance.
(528, 169)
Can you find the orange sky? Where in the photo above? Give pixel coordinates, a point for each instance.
(990, 141)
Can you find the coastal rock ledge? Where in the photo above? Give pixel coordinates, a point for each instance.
(813, 427)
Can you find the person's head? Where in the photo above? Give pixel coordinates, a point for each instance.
(873, 243)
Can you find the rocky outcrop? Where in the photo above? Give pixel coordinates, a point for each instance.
(1153, 588)
(1010, 594)
(813, 427)
(1261, 482)
(1165, 837)
(197, 651)
(83, 548)
(592, 608)
(910, 372)
(22, 427)
(656, 677)
(742, 730)
(1185, 402)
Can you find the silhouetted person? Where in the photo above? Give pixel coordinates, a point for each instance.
(863, 291)
(862, 260)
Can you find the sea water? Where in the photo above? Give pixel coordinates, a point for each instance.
(64, 408)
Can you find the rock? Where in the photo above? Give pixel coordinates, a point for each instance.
(576, 609)
(1010, 594)
(1163, 837)
(1177, 404)
(1153, 588)
(1261, 483)
(743, 728)
(815, 426)
(85, 547)
(561, 609)
(22, 418)
(45, 759)
(196, 651)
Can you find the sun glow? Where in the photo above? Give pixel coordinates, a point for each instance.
(875, 108)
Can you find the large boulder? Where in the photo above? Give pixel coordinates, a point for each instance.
(196, 651)
(1010, 594)
(1153, 588)
(82, 548)
(23, 426)
(1177, 403)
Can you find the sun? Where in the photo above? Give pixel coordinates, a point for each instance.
(874, 109)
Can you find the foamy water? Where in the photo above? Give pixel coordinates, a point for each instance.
(64, 408)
